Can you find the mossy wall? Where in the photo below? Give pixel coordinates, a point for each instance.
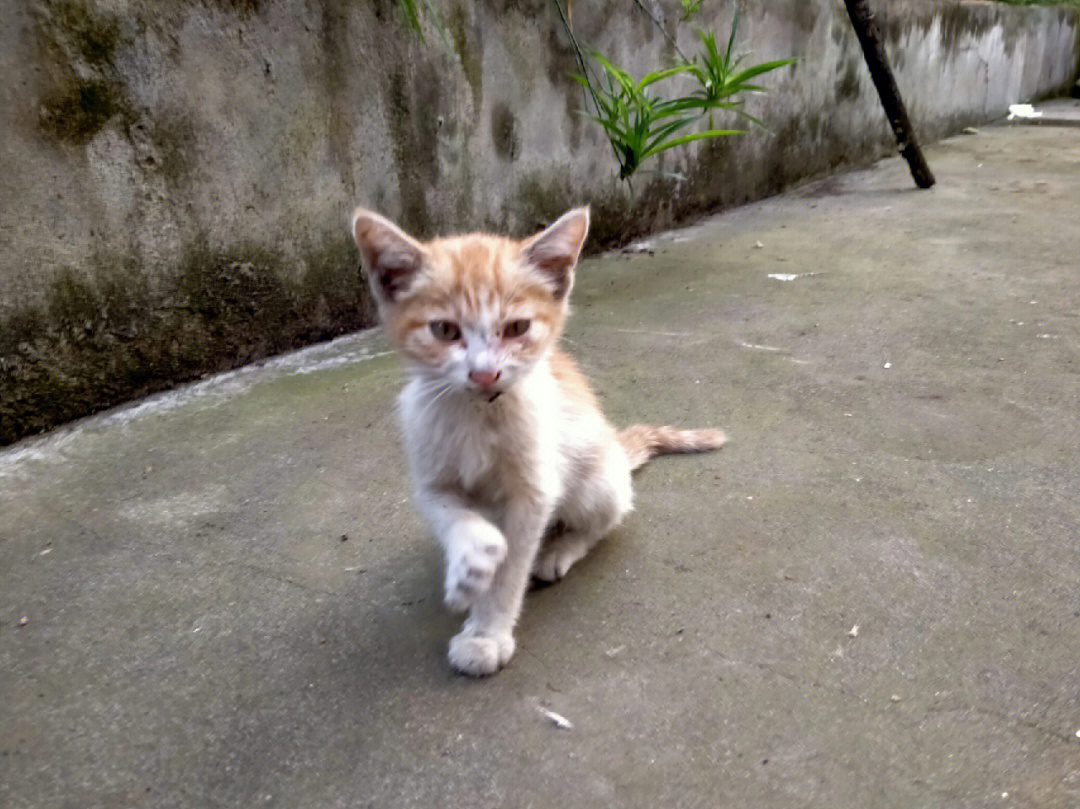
(176, 176)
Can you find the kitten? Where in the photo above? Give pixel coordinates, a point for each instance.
(517, 471)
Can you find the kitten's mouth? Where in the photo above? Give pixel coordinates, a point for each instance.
(487, 394)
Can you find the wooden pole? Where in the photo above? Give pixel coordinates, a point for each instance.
(862, 19)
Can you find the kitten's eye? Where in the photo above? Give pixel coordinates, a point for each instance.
(516, 328)
(445, 330)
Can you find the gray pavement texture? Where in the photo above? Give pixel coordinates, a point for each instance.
(229, 601)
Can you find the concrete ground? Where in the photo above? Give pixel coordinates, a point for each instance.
(871, 598)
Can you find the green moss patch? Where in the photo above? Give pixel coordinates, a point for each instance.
(469, 52)
(96, 343)
(82, 29)
(78, 112)
(84, 92)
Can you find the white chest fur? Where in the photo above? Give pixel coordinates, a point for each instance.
(482, 447)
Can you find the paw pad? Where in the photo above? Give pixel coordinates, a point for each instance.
(473, 560)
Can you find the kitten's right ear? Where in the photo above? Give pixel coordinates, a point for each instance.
(554, 252)
(392, 258)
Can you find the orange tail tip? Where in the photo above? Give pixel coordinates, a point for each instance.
(643, 441)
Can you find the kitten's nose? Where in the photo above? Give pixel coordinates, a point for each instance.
(484, 379)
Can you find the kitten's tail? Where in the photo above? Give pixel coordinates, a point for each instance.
(643, 441)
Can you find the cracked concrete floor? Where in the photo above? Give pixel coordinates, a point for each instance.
(229, 601)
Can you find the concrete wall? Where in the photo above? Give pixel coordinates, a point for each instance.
(176, 176)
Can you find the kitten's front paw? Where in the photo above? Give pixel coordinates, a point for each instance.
(480, 655)
(474, 553)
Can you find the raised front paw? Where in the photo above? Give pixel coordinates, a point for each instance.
(480, 655)
(474, 552)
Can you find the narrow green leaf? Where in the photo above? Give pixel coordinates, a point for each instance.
(712, 133)
(757, 70)
(660, 75)
(667, 130)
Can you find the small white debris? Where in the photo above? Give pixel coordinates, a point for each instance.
(969, 130)
(854, 633)
(1004, 795)
(47, 550)
(646, 247)
(758, 245)
(784, 276)
(1023, 111)
(1077, 732)
(24, 621)
(614, 651)
(560, 721)
(887, 365)
(895, 698)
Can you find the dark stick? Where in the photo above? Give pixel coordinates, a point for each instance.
(862, 19)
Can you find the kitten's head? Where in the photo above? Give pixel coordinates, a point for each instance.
(476, 311)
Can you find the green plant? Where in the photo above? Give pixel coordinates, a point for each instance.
(640, 124)
(690, 8)
(722, 84)
(412, 15)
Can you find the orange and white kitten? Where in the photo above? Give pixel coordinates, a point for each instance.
(517, 471)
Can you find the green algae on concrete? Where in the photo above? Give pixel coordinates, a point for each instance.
(97, 343)
(80, 41)
(467, 38)
(79, 111)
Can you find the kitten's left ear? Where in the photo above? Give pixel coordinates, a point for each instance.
(554, 251)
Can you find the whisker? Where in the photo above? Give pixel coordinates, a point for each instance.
(446, 389)
(443, 388)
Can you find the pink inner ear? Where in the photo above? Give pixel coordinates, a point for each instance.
(555, 251)
(391, 257)
(395, 270)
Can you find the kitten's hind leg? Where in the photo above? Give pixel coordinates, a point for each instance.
(560, 553)
(594, 506)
